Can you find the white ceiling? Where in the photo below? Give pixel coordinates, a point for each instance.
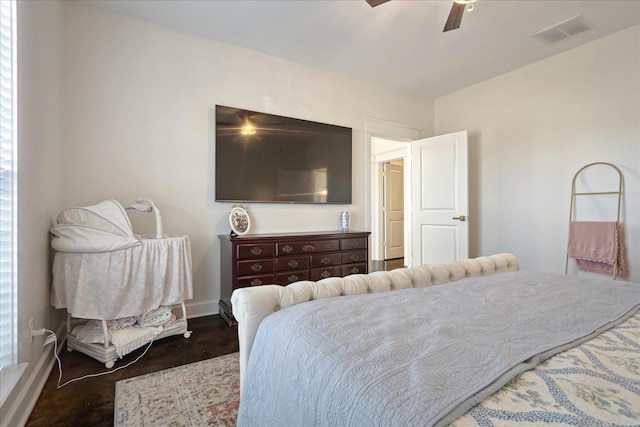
(399, 43)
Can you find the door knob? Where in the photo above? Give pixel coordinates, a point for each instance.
(460, 218)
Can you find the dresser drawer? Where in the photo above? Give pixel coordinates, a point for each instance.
(255, 250)
(292, 263)
(308, 247)
(360, 268)
(263, 279)
(354, 243)
(255, 266)
(323, 273)
(354, 256)
(291, 277)
(320, 260)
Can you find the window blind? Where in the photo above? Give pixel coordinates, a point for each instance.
(8, 186)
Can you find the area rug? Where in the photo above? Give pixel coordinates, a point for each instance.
(205, 393)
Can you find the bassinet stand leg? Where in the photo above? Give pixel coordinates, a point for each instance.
(105, 330)
(187, 334)
(69, 349)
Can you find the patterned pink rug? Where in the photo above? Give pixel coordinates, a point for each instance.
(205, 393)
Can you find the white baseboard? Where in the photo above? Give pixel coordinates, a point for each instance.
(18, 413)
(200, 309)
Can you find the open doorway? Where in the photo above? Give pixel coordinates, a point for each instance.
(436, 227)
(390, 182)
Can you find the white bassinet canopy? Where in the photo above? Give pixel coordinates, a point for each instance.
(103, 227)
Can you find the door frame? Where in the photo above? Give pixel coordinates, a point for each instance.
(373, 182)
(377, 197)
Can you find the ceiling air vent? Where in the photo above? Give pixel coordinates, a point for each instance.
(563, 30)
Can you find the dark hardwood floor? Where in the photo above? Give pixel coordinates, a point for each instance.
(389, 264)
(90, 402)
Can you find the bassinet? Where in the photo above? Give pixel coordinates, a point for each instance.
(103, 271)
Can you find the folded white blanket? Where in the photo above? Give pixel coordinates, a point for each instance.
(124, 340)
(91, 332)
(157, 317)
(129, 339)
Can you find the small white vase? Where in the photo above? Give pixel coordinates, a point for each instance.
(345, 216)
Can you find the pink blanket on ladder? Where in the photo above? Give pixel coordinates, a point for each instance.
(596, 246)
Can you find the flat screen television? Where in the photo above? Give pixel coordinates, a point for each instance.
(262, 157)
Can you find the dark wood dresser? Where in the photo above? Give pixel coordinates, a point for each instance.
(264, 259)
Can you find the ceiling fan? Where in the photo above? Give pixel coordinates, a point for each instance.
(455, 16)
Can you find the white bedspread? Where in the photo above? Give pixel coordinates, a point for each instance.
(123, 283)
(419, 357)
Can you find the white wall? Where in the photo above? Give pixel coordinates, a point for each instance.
(39, 192)
(532, 129)
(136, 123)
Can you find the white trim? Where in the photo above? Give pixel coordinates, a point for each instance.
(388, 156)
(377, 222)
(10, 376)
(377, 232)
(30, 391)
(390, 130)
(9, 194)
(395, 132)
(201, 309)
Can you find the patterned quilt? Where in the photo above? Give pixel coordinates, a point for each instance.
(584, 386)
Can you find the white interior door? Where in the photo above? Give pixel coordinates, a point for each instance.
(393, 209)
(439, 199)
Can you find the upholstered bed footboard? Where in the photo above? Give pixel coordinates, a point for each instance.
(252, 304)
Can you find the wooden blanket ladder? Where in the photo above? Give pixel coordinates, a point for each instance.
(574, 194)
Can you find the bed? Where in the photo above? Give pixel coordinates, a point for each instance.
(475, 342)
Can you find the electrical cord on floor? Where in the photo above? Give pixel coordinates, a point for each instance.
(55, 353)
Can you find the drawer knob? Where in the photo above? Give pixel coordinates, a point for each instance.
(256, 250)
(256, 282)
(287, 248)
(325, 274)
(308, 248)
(355, 244)
(256, 267)
(325, 260)
(292, 278)
(293, 263)
(355, 257)
(355, 270)
(328, 246)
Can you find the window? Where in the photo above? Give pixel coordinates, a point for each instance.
(8, 196)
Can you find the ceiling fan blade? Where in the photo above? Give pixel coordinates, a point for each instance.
(374, 3)
(455, 17)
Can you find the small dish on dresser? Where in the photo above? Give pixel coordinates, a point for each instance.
(239, 221)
